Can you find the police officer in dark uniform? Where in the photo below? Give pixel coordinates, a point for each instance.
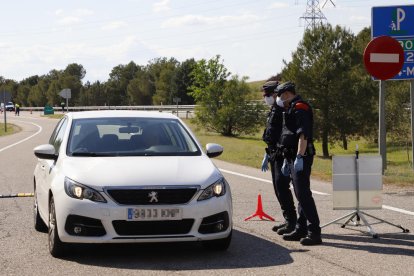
(297, 145)
(274, 156)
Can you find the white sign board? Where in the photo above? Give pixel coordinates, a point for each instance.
(345, 185)
(65, 93)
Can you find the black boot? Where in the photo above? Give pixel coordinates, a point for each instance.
(294, 236)
(311, 240)
(288, 228)
(278, 226)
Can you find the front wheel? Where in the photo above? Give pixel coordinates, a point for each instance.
(218, 245)
(56, 246)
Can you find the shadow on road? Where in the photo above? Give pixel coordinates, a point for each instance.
(246, 251)
(390, 243)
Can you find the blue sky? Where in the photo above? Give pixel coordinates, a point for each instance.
(252, 37)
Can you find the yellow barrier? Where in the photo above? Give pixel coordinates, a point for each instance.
(18, 195)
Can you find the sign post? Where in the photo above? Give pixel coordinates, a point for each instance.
(177, 100)
(6, 96)
(66, 93)
(383, 59)
(398, 23)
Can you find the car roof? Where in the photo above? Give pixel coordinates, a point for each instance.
(119, 114)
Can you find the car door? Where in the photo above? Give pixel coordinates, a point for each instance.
(47, 166)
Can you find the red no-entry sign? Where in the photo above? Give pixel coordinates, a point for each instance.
(383, 57)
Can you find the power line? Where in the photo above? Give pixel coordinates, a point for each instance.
(313, 15)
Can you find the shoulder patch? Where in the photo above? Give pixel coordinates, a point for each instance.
(301, 106)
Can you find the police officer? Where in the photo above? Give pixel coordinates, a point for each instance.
(274, 156)
(297, 146)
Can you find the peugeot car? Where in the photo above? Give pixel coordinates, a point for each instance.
(129, 177)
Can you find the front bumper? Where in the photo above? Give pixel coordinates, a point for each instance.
(200, 221)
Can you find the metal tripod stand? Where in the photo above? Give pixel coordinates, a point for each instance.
(360, 214)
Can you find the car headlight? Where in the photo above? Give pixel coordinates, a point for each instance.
(79, 191)
(217, 189)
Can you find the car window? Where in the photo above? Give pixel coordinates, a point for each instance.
(55, 131)
(59, 136)
(130, 137)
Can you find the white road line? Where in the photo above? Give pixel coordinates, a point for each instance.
(315, 192)
(25, 139)
(398, 210)
(262, 179)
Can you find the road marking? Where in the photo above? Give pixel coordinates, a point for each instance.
(315, 192)
(263, 180)
(386, 58)
(25, 139)
(398, 210)
(18, 195)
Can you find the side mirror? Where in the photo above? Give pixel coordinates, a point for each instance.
(213, 150)
(46, 151)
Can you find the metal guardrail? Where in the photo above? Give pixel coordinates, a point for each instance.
(180, 110)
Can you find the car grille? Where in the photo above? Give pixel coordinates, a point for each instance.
(143, 197)
(153, 228)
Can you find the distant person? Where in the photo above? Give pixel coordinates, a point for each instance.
(17, 109)
(62, 104)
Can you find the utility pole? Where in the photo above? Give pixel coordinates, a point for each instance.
(313, 15)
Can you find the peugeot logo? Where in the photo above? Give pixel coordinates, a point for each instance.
(153, 196)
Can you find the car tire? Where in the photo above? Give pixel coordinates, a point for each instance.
(56, 246)
(39, 224)
(218, 245)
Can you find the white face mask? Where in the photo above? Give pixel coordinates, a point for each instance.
(280, 102)
(269, 100)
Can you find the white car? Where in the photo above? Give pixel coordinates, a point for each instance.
(129, 176)
(9, 106)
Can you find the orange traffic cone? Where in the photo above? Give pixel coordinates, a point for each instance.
(259, 211)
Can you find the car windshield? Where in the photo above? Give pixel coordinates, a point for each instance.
(130, 137)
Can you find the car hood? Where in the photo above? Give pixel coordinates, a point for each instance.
(141, 171)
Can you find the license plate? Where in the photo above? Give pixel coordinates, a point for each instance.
(154, 214)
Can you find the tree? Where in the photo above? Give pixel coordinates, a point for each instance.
(322, 69)
(224, 105)
(398, 114)
(184, 80)
(162, 73)
(140, 89)
(117, 84)
(93, 94)
(52, 93)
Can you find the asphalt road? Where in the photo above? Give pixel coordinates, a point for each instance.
(255, 249)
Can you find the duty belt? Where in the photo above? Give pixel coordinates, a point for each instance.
(290, 153)
(273, 152)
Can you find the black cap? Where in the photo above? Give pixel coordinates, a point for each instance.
(269, 87)
(286, 86)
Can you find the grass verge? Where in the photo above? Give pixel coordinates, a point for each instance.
(249, 151)
(10, 129)
(53, 116)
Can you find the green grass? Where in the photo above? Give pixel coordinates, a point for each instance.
(53, 116)
(10, 129)
(249, 151)
(256, 85)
